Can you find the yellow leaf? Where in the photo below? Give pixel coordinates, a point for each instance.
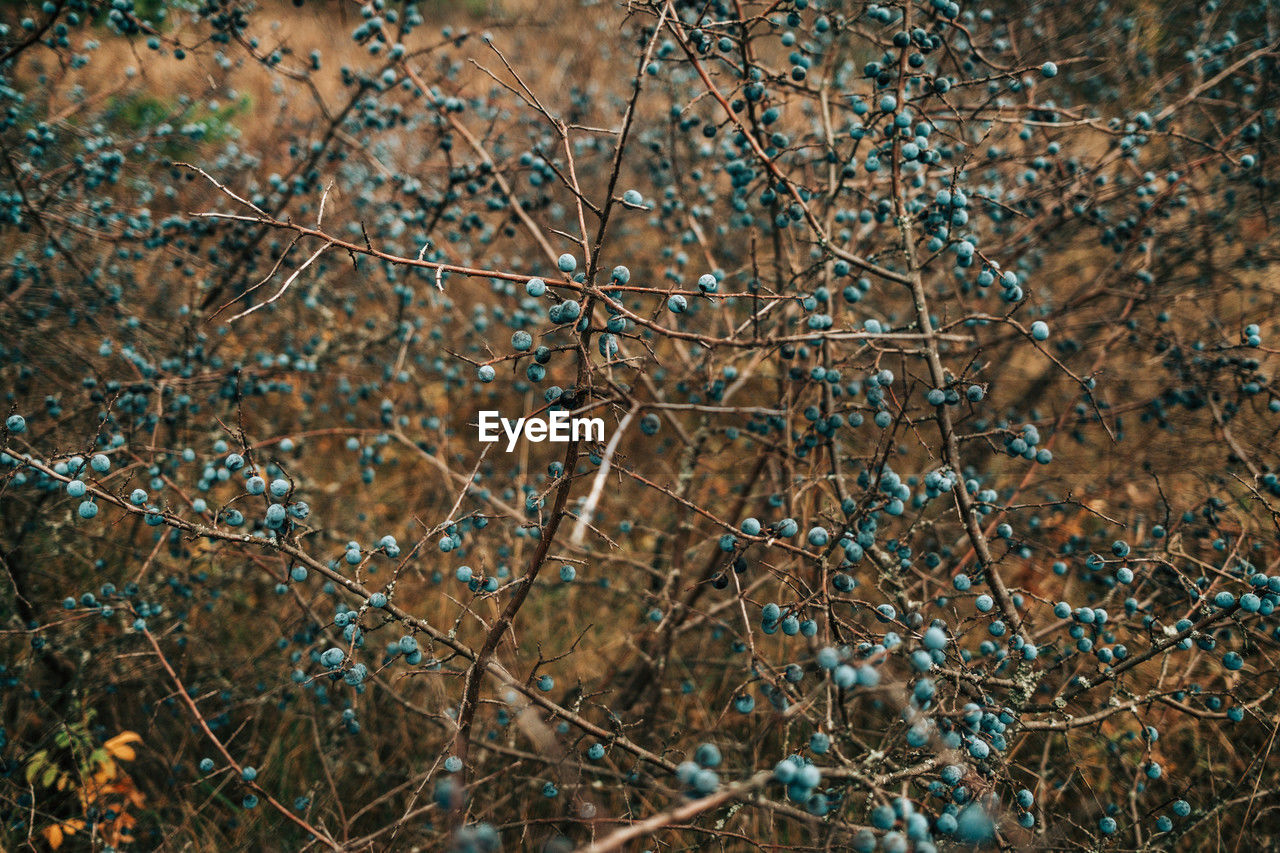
(106, 772)
(53, 834)
(119, 747)
(122, 752)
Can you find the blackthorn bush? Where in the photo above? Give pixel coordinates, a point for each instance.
(938, 501)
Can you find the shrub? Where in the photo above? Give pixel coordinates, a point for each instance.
(977, 299)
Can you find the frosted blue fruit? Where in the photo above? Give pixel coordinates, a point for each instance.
(974, 825)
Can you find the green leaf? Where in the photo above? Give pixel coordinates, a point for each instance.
(34, 764)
